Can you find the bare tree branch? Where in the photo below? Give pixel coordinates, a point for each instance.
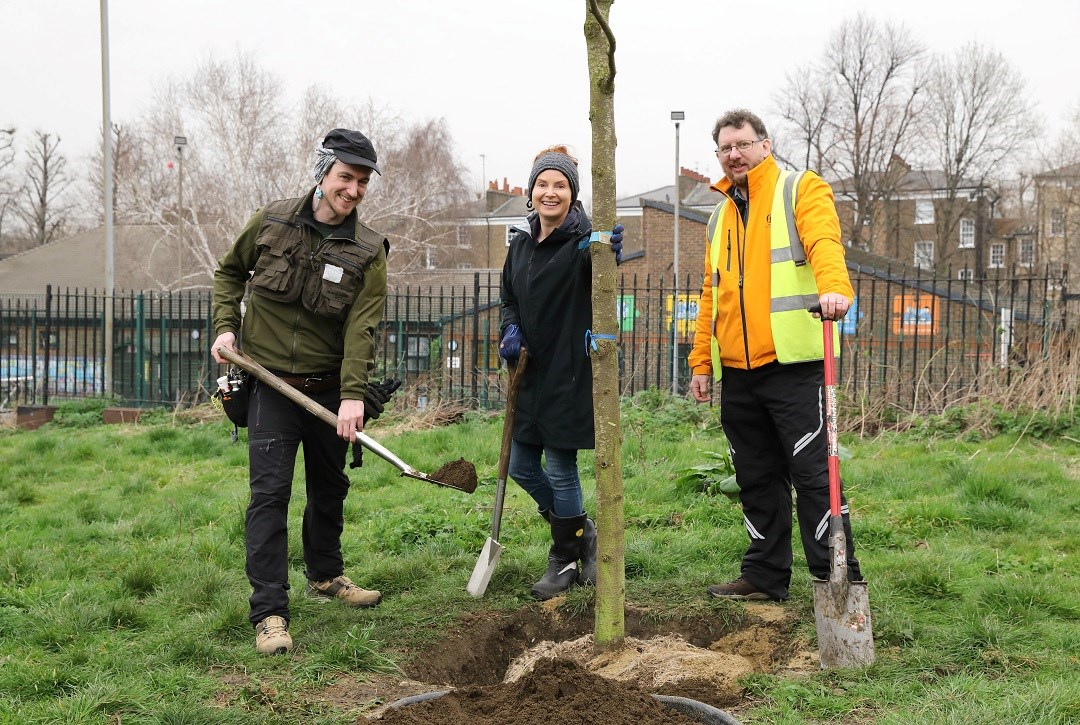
(45, 179)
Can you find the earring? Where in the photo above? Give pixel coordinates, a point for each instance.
(318, 198)
(529, 204)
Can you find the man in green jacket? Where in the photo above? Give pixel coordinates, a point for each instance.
(318, 289)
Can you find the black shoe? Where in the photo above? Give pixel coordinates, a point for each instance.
(738, 589)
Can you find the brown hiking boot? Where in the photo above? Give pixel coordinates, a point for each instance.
(738, 589)
(272, 636)
(341, 588)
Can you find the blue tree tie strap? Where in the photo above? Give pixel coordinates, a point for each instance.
(590, 340)
(602, 237)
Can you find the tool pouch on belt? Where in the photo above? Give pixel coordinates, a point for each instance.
(233, 392)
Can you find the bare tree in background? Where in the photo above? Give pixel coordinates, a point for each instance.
(976, 116)
(7, 188)
(804, 105)
(248, 144)
(46, 179)
(856, 111)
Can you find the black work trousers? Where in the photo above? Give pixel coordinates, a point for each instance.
(276, 429)
(774, 419)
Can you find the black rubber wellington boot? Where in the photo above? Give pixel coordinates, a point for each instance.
(587, 554)
(562, 571)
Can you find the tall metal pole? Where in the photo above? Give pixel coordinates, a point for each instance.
(107, 176)
(676, 116)
(180, 142)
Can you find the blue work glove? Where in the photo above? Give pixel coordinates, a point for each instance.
(616, 242)
(511, 344)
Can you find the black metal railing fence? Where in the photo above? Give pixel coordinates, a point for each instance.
(919, 343)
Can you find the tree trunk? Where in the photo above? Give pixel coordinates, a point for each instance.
(611, 555)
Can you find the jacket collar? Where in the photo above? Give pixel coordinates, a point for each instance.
(760, 178)
(306, 215)
(576, 223)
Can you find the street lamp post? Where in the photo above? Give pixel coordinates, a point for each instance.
(107, 193)
(676, 116)
(180, 142)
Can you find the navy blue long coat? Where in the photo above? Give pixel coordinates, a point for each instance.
(546, 289)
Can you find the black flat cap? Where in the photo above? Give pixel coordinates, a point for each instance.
(352, 147)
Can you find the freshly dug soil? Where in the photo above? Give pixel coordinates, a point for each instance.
(459, 474)
(557, 691)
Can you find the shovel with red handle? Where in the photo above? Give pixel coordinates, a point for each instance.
(841, 607)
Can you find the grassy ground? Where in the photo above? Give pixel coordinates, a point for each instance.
(123, 597)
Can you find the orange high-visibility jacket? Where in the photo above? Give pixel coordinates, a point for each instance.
(743, 328)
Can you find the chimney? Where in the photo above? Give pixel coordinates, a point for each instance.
(506, 186)
(683, 171)
(517, 191)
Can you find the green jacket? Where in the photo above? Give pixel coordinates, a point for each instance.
(285, 334)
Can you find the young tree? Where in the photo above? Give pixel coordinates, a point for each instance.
(46, 179)
(611, 553)
(976, 115)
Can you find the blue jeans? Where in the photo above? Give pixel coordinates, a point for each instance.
(556, 486)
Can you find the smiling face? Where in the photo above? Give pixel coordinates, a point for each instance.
(551, 196)
(737, 163)
(343, 188)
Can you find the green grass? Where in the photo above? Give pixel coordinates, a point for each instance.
(123, 596)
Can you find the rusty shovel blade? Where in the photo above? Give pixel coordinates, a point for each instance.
(842, 611)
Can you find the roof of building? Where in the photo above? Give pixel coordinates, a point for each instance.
(1069, 170)
(699, 196)
(912, 181)
(144, 258)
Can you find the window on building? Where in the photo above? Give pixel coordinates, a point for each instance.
(924, 211)
(867, 220)
(924, 254)
(965, 275)
(967, 233)
(429, 258)
(997, 255)
(416, 354)
(1025, 255)
(462, 235)
(1057, 275)
(1057, 222)
(509, 234)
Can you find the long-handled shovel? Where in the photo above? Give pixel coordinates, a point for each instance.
(457, 474)
(841, 607)
(489, 555)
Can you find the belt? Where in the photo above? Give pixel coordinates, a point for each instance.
(313, 383)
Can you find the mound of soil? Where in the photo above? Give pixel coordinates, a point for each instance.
(700, 657)
(556, 691)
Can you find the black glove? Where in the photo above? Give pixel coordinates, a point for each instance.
(616, 242)
(376, 395)
(512, 342)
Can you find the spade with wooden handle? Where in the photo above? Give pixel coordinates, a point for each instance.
(489, 555)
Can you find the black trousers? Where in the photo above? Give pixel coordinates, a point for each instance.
(277, 427)
(774, 419)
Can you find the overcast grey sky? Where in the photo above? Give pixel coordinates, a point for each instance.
(509, 77)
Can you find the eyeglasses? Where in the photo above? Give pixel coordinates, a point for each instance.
(741, 146)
